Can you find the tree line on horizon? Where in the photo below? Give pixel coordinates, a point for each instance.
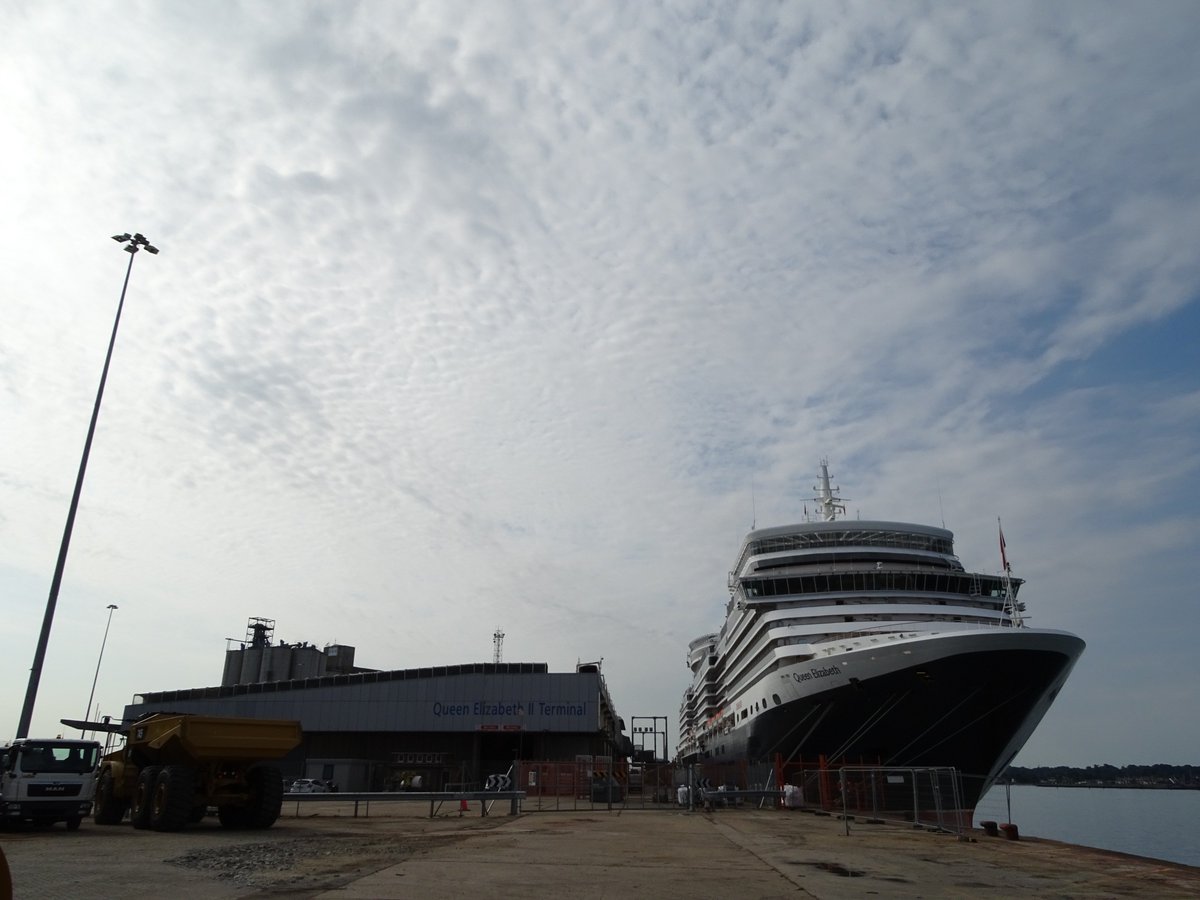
(1134, 775)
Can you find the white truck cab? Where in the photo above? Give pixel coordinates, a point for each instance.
(47, 780)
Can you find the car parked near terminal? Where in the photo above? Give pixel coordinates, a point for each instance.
(308, 786)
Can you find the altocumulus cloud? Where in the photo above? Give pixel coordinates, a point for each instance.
(508, 314)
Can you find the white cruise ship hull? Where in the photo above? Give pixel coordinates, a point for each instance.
(967, 698)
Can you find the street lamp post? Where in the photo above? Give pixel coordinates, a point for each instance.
(88, 712)
(133, 243)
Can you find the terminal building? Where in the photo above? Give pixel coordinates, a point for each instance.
(371, 730)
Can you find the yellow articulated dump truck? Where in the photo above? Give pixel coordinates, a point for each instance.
(174, 767)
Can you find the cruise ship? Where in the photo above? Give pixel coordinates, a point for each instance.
(867, 643)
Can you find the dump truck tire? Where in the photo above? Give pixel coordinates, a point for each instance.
(266, 796)
(143, 793)
(110, 809)
(172, 801)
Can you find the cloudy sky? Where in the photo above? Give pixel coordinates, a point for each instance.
(519, 315)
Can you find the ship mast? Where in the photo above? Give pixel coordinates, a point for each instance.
(1010, 600)
(829, 504)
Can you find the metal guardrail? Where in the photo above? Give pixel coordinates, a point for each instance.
(435, 799)
(772, 797)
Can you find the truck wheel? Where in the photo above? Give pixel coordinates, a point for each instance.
(266, 796)
(172, 801)
(143, 792)
(110, 809)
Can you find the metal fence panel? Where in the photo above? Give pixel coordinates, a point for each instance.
(926, 797)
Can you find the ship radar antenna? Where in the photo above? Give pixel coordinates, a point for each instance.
(941, 509)
(829, 503)
(753, 507)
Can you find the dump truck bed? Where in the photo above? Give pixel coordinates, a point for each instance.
(209, 738)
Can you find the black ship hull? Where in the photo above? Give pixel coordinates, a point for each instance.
(972, 711)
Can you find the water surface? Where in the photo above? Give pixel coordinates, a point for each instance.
(1158, 823)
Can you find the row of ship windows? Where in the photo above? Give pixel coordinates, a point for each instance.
(760, 706)
(929, 582)
(711, 685)
(850, 538)
(814, 637)
(757, 707)
(984, 605)
(719, 674)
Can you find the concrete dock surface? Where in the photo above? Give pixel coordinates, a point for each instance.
(328, 853)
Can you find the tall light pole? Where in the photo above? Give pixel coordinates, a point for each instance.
(88, 712)
(133, 243)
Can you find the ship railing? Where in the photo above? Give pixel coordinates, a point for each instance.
(359, 803)
(884, 630)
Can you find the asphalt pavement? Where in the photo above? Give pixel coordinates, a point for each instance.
(325, 852)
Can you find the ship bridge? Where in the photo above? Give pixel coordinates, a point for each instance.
(816, 542)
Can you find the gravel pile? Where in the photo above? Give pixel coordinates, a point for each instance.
(319, 862)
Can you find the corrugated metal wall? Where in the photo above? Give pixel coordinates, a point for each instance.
(530, 702)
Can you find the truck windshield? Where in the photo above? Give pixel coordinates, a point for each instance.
(58, 756)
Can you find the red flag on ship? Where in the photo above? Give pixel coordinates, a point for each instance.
(1003, 556)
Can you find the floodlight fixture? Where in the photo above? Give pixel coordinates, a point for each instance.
(135, 242)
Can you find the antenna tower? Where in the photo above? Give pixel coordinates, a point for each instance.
(829, 504)
(498, 643)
